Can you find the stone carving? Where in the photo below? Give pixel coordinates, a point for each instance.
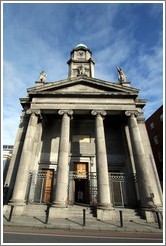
(81, 70)
(121, 75)
(42, 76)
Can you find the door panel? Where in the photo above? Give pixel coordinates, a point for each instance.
(81, 170)
(47, 188)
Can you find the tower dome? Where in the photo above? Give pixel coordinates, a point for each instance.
(81, 45)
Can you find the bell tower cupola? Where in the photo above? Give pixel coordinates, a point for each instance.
(81, 62)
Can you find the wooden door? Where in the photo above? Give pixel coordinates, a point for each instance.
(47, 188)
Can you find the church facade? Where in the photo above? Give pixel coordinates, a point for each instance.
(83, 140)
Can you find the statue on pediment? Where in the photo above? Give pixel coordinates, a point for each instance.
(121, 75)
(42, 76)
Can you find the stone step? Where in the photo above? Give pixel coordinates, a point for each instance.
(33, 210)
(77, 211)
(129, 214)
(72, 211)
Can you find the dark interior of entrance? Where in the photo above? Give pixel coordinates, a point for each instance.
(81, 191)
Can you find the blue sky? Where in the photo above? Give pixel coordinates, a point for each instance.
(40, 36)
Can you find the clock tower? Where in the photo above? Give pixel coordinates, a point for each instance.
(81, 62)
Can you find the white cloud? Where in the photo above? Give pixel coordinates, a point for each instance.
(147, 76)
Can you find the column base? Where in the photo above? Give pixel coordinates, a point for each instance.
(15, 208)
(15, 202)
(149, 205)
(59, 204)
(105, 206)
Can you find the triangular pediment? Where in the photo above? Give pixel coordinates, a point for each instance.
(82, 86)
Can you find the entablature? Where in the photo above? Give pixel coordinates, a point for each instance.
(140, 102)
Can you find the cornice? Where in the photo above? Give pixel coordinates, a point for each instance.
(108, 86)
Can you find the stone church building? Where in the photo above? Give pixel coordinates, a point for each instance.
(83, 141)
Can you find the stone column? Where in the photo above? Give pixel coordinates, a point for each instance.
(16, 154)
(20, 187)
(130, 161)
(61, 194)
(103, 187)
(140, 161)
(155, 186)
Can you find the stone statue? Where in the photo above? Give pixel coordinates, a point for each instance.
(42, 76)
(121, 75)
(81, 70)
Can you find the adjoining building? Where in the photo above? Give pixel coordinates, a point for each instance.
(154, 125)
(7, 154)
(83, 141)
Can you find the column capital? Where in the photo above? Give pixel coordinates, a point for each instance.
(132, 113)
(99, 112)
(36, 112)
(65, 111)
(140, 118)
(33, 111)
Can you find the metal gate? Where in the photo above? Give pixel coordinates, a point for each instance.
(118, 189)
(41, 187)
(119, 184)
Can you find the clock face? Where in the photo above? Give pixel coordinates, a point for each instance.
(80, 53)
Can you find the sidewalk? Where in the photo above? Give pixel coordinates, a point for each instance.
(76, 223)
